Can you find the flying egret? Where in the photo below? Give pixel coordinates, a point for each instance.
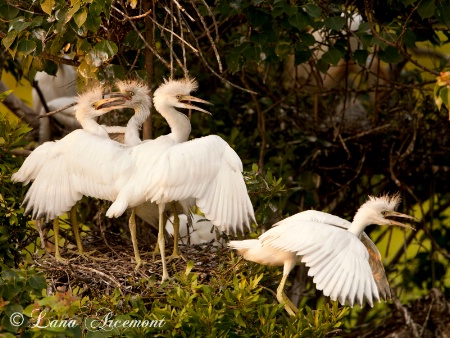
(85, 113)
(206, 171)
(343, 260)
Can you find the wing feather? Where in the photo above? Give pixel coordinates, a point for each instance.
(81, 164)
(337, 260)
(210, 171)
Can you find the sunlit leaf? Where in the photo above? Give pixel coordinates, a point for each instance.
(9, 39)
(47, 6)
(80, 17)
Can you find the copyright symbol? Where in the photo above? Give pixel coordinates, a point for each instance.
(16, 319)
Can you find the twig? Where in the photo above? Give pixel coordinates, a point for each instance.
(57, 110)
(213, 45)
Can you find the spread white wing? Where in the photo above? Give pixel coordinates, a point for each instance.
(337, 260)
(73, 168)
(210, 171)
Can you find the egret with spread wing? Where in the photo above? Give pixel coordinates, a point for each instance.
(85, 113)
(342, 259)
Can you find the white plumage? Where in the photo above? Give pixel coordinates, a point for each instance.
(202, 231)
(342, 259)
(49, 152)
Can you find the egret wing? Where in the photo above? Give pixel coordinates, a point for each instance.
(210, 171)
(80, 164)
(337, 259)
(374, 254)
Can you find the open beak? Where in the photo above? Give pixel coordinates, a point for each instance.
(187, 99)
(117, 102)
(396, 223)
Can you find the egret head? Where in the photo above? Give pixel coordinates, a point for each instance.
(378, 210)
(87, 103)
(176, 93)
(131, 94)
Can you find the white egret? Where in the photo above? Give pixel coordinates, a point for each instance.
(206, 171)
(85, 113)
(343, 260)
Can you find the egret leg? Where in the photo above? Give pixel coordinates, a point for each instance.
(75, 228)
(132, 225)
(176, 235)
(283, 299)
(161, 243)
(56, 234)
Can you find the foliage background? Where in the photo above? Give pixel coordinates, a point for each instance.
(239, 51)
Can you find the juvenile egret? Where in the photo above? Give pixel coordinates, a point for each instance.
(46, 153)
(343, 260)
(206, 171)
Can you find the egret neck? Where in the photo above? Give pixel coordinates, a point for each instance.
(135, 123)
(91, 126)
(359, 223)
(179, 123)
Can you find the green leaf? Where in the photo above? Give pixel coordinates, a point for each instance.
(257, 17)
(390, 55)
(426, 9)
(9, 39)
(335, 22)
(101, 52)
(234, 61)
(80, 17)
(37, 283)
(283, 50)
(133, 41)
(313, 10)
(360, 56)
(94, 19)
(443, 12)
(8, 12)
(302, 56)
(47, 6)
(20, 24)
(409, 39)
(332, 56)
(299, 20)
(26, 46)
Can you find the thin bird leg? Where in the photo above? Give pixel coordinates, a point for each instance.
(176, 235)
(76, 232)
(56, 234)
(284, 300)
(162, 244)
(132, 225)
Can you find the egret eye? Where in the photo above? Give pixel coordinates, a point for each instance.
(178, 97)
(131, 93)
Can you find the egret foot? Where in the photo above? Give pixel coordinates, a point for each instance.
(175, 255)
(89, 255)
(132, 225)
(58, 256)
(284, 300)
